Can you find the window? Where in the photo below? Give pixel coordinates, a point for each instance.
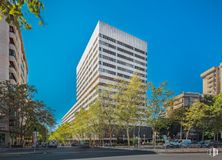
(124, 51)
(107, 44)
(125, 64)
(11, 29)
(107, 71)
(124, 57)
(141, 63)
(107, 58)
(141, 57)
(139, 68)
(125, 70)
(12, 53)
(123, 75)
(107, 38)
(107, 78)
(11, 64)
(108, 51)
(11, 76)
(125, 45)
(109, 65)
(140, 51)
(11, 41)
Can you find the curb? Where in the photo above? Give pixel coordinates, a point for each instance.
(178, 151)
(19, 153)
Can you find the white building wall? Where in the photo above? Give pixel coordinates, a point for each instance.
(94, 61)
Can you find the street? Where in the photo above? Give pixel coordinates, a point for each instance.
(101, 154)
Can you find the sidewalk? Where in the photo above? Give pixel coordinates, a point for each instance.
(19, 151)
(169, 150)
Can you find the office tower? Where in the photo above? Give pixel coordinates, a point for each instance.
(109, 54)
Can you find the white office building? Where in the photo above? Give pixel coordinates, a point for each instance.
(109, 54)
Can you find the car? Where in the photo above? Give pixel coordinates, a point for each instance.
(53, 144)
(185, 143)
(207, 144)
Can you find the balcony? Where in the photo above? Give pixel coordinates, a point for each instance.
(13, 74)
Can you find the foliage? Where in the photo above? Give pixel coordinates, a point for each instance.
(23, 113)
(205, 115)
(155, 109)
(16, 11)
(130, 100)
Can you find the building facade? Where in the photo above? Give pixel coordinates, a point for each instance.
(109, 54)
(185, 99)
(212, 80)
(13, 65)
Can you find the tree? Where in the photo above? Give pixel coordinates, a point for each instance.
(155, 109)
(16, 11)
(205, 115)
(106, 100)
(22, 112)
(130, 97)
(194, 116)
(176, 116)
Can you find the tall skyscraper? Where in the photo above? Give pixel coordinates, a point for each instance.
(212, 80)
(109, 54)
(13, 66)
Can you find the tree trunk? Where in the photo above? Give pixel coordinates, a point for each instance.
(154, 138)
(202, 136)
(128, 136)
(217, 137)
(138, 137)
(110, 139)
(187, 133)
(181, 131)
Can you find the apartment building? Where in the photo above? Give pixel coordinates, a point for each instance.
(109, 54)
(13, 66)
(212, 80)
(185, 99)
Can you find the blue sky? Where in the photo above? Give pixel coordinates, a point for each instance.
(184, 39)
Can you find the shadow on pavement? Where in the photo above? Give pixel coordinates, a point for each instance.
(74, 153)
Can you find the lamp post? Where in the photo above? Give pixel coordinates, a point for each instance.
(35, 140)
(113, 138)
(144, 139)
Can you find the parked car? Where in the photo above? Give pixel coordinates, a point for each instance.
(207, 144)
(53, 144)
(185, 143)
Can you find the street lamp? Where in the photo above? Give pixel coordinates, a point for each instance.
(113, 138)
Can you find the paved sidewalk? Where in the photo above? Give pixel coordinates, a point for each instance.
(169, 150)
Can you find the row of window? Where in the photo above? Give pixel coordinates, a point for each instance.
(119, 68)
(121, 50)
(121, 62)
(114, 54)
(82, 92)
(121, 43)
(122, 69)
(86, 62)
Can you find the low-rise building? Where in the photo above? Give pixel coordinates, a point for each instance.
(185, 99)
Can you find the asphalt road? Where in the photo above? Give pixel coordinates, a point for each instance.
(102, 154)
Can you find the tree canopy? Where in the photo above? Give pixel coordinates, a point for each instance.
(18, 11)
